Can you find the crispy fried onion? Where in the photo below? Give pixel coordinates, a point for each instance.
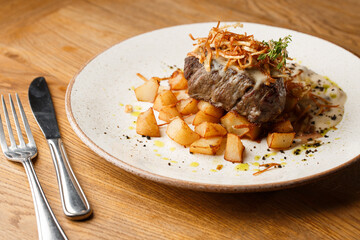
(239, 50)
(267, 166)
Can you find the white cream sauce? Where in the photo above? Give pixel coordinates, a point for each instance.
(258, 76)
(325, 88)
(219, 62)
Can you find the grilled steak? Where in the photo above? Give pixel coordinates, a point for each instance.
(235, 90)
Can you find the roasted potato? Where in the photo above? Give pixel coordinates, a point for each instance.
(210, 109)
(283, 127)
(164, 98)
(168, 113)
(232, 119)
(280, 140)
(203, 117)
(208, 146)
(187, 106)
(180, 132)
(234, 148)
(254, 132)
(177, 81)
(189, 119)
(241, 130)
(146, 124)
(163, 88)
(239, 125)
(147, 92)
(181, 94)
(208, 129)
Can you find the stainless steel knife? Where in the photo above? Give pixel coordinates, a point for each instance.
(75, 205)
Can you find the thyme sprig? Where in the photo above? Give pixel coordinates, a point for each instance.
(277, 51)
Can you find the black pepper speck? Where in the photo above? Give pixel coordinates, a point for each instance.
(297, 151)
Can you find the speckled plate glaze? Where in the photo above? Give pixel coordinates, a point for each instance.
(97, 95)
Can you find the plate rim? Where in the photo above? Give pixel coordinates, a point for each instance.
(185, 183)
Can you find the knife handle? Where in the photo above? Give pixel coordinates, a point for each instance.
(74, 202)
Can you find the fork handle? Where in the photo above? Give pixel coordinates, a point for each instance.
(74, 202)
(48, 226)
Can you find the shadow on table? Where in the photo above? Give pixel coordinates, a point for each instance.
(334, 191)
(317, 204)
(315, 209)
(337, 190)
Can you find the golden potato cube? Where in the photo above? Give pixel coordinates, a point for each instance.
(241, 130)
(210, 109)
(187, 106)
(147, 91)
(208, 146)
(180, 132)
(189, 119)
(163, 88)
(254, 132)
(208, 129)
(181, 94)
(146, 124)
(232, 119)
(168, 113)
(283, 127)
(164, 98)
(203, 117)
(177, 81)
(280, 140)
(239, 125)
(234, 148)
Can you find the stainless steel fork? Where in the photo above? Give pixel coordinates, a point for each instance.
(48, 226)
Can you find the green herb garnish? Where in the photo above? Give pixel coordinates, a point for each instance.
(277, 51)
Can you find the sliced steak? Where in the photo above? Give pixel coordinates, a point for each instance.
(234, 90)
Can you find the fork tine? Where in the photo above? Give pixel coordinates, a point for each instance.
(4, 146)
(25, 121)
(16, 120)
(11, 135)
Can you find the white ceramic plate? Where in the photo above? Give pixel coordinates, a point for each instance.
(96, 98)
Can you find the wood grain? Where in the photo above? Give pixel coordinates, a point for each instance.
(56, 38)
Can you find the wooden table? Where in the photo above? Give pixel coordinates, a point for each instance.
(56, 38)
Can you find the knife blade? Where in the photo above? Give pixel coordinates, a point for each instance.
(43, 108)
(73, 199)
